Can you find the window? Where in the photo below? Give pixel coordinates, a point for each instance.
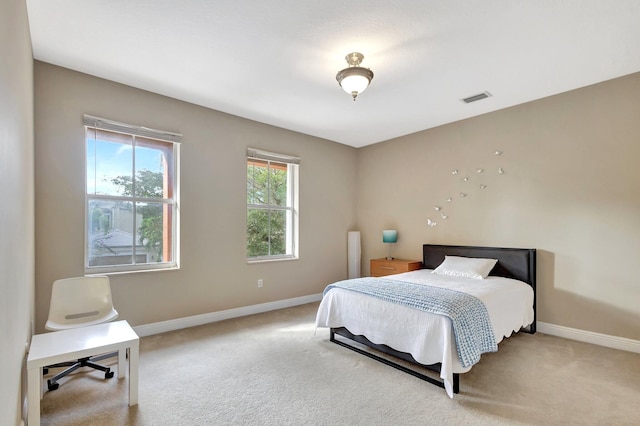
(131, 197)
(272, 206)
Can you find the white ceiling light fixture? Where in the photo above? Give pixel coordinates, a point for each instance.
(355, 79)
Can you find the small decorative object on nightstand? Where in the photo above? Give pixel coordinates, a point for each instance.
(390, 236)
(382, 267)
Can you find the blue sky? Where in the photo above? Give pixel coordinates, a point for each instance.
(115, 159)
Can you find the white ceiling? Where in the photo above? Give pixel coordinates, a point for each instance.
(275, 61)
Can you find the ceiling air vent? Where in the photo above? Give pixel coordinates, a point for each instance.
(477, 97)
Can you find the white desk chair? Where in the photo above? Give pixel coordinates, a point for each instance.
(80, 302)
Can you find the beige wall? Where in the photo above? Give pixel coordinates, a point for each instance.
(214, 275)
(16, 209)
(570, 188)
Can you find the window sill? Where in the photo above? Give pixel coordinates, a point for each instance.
(135, 271)
(279, 259)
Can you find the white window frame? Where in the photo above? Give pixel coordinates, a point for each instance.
(91, 122)
(292, 227)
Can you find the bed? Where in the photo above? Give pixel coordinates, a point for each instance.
(411, 339)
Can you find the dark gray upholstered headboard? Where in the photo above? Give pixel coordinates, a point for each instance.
(519, 264)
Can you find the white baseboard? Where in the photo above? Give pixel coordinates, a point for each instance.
(606, 340)
(180, 323)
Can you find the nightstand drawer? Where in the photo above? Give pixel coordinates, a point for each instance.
(382, 267)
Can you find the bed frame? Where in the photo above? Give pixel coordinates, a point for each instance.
(519, 264)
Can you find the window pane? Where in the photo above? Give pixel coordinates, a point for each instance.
(109, 162)
(278, 184)
(152, 180)
(278, 232)
(266, 232)
(153, 240)
(110, 233)
(257, 182)
(257, 232)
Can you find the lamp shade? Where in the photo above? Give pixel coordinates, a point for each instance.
(355, 80)
(389, 236)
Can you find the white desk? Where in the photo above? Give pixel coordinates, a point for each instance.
(66, 345)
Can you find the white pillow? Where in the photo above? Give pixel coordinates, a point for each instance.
(467, 267)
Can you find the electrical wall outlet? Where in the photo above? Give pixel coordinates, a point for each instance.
(260, 283)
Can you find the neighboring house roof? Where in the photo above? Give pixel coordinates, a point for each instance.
(114, 238)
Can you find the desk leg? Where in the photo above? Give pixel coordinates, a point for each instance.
(133, 373)
(121, 362)
(34, 391)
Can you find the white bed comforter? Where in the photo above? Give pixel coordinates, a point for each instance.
(427, 337)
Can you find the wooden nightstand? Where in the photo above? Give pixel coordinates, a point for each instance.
(382, 267)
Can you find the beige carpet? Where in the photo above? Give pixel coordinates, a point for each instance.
(270, 369)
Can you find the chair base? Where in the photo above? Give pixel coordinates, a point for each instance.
(53, 384)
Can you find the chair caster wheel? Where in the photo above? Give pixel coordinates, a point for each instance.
(52, 386)
(108, 374)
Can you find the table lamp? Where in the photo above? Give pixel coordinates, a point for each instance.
(389, 236)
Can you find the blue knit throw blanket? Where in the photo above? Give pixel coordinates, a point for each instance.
(471, 324)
